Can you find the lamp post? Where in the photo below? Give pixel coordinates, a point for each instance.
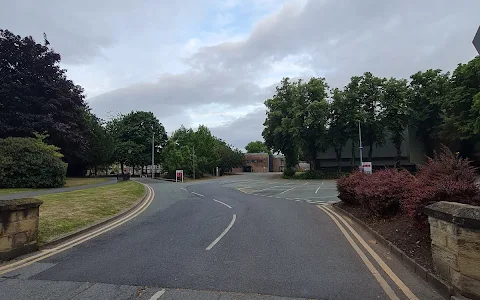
(153, 153)
(360, 143)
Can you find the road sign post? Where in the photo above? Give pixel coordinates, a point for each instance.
(178, 174)
(476, 40)
(367, 167)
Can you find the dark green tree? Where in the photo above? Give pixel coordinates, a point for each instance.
(395, 113)
(257, 147)
(36, 96)
(341, 123)
(280, 131)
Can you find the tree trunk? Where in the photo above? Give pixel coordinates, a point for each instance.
(370, 152)
(338, 152)
(95, 170)
(121, 167)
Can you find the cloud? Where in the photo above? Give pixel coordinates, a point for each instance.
(212, 62)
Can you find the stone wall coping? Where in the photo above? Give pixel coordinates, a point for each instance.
(463, 215)
(19, 204)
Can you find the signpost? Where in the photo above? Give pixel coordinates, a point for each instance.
(476, 40)
(367, 167)
(178, 174)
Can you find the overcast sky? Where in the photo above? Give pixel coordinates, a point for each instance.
(212, 62)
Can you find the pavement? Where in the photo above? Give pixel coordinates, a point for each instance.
(54, 190)
(238, 237)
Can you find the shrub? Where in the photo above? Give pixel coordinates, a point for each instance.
(319, 174)
(30, 163)
(346, 186)
(446, 177)
(288, 173)
(383, 191)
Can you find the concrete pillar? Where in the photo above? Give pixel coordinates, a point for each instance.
(455, 233)
(18, 227)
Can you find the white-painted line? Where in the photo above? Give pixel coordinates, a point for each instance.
(223, 233)
(305, 183)
(317, 189)
(287, 190)
(297, 200)
(158, 294)
(272, 187)
(184, 189)
(197, 194)
(222, 203)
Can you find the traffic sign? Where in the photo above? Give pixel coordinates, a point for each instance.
(476, 40)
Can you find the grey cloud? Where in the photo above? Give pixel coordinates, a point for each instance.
(243, 130)
(349, 37)
(82, 30)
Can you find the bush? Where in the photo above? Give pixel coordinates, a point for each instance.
(446, 177)
(30, 163)
(346, 186)
(319, 174)
(383, 191)
(288, 173)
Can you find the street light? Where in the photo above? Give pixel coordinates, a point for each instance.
(360, 143)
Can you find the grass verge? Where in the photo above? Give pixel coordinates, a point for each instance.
(69, 182)
(66, 212)
(73, 181)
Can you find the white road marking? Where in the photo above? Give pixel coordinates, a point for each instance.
(287, 190)
(158, 294)
(184, 189)
(297, 200)
(305, 183)
(223, 233)
(317, 189)
(222, 203)
(197, 194)
(272, 187)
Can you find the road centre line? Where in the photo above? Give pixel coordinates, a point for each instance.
(222, 203)
(76, 241)
(385, 286)
(197, 194)
(158, 294)
(375, 256)
(287, 190)
(222, 234)
(184, 189)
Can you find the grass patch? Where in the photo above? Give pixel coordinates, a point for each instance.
(74, 181)
(65, 212)
(15, 190)
(69, 182)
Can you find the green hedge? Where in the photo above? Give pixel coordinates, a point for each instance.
(30, 163)
(317, 174)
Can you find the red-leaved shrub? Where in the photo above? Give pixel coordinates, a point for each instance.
(382, 191)
(446, 177)
(346, 186)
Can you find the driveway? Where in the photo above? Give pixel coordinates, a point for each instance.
(238, 237)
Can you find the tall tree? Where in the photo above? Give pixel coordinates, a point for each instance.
(100, 143)
(460, 113)
(428, 90)
(367, 91)
(36, 96)
(395, 113)
(257, 147)
(311, 116)
(229, 157)
(340, 124)
(279, 130)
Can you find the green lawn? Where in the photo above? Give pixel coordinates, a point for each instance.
(70, 182)
(61, 213)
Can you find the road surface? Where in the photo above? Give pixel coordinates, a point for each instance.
(238, 237)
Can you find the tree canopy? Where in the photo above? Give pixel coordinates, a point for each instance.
(257, 147)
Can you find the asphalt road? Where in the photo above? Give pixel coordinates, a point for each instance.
(239, 237)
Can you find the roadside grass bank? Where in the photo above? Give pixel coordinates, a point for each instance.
(69, 182)
(62, 213)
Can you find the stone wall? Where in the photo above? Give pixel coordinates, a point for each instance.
(455, 233)
(18, 227)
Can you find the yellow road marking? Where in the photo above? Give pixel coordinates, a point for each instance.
(375, 256)
(388, 290)
(69, 244)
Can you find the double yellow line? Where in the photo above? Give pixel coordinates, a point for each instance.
(83, 238)
(383, 283)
